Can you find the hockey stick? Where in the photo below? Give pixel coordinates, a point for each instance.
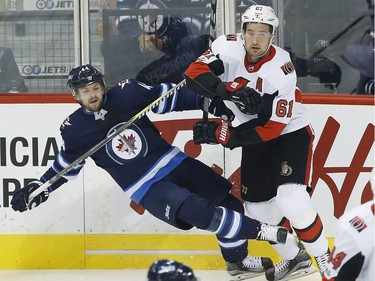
(106, 140)
(210, 40)
(338, 35)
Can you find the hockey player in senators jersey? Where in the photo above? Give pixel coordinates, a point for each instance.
(352, 256)
(276, 139)
(151, 172)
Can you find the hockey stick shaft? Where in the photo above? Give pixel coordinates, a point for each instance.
(210, 40)
(337, 36)
(103, 142)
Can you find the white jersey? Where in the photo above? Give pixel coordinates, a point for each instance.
(274, 73)
(355, 234)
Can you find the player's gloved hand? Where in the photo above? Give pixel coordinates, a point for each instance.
(247, 99)
(218, 108)
(20, 201)
(328, 72)
(212, 132)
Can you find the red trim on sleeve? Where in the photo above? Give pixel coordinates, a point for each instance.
(196, 68)
(270, 131)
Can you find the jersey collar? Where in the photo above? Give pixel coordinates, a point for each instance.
(256, 66)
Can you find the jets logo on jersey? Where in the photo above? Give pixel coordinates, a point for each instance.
(287, 68)
(100, 115)
(128, 145)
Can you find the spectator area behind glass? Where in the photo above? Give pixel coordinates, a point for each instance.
(124, 52)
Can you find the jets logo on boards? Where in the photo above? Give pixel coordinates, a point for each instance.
(127, 145)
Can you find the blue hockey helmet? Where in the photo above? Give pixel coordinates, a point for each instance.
(170, 270)
(82, 76)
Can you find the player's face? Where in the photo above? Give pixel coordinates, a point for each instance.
(91, 96)
(257, 40)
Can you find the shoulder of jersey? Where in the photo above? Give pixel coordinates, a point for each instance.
(362, 211)
(283, 62)
(231, 38)
(281, 52)
(228, 43)
(71, 120)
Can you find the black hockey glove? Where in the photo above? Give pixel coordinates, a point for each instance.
(20, 201)
(218, 108)
(212, 132)
(248, 100)
(328, 72)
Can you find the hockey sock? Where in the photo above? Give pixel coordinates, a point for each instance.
(233, 225)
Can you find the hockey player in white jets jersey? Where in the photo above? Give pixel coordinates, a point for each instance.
(276, 139)
(352, 257)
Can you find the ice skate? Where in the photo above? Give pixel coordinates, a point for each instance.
(271, 233)
(300, 266)
(321, 262)
(250, 267)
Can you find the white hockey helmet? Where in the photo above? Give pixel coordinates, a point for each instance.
(260, 14)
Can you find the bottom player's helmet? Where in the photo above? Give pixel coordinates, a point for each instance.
(82, 76)
(170, 270)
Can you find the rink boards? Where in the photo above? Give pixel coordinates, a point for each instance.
(88, 223)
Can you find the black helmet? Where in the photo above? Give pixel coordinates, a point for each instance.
(83, 75)
(170, 270)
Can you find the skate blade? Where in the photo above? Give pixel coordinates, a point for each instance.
(300, 273)
(245, 276)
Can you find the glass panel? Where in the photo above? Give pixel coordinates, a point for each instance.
(152, 41)
(330, 42)
(319, 32)
(37, 45)
(37, 41)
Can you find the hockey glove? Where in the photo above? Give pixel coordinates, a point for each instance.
(247, 99)
(20, 201)
(328, 72)
(212, 133)
(218, 108)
